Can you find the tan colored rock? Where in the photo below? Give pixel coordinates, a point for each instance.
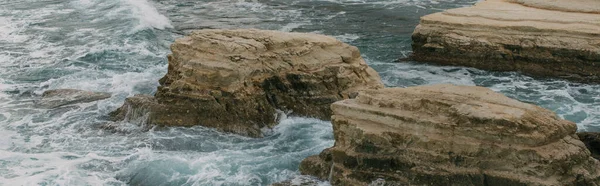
(537, 37)
(236, 80)
(450, 135)
(61, 97)
(584, 6)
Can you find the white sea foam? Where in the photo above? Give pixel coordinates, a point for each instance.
(11, 31)
(148, 14)
(397, 74)
(293, 25)
(347, 37)
(225, 159)
(55, 168)
(6, 139)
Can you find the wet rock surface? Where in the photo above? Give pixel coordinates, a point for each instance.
(240, 80)
(450, 135)
(61, 97)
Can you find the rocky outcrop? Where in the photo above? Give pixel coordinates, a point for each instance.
(238, 80)
(450, 135)
(536, 37)
(592, 142)
(582, 6)
(60, 97)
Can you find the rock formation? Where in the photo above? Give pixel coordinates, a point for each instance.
(536, 37)
(60, 97)
(592, 142)
(450, 135)
(237, 80)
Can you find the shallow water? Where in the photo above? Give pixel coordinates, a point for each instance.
(119, 46)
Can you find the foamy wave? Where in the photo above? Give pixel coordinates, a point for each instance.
(56, 168)
(347, 37)
(407, 74)
(10, 31)
(571, 101)
(148, 14)
(291, 26)
(205, 157)
(6, 138)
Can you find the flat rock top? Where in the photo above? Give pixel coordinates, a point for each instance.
(250, 48)
(476, 111)
(530, 15)
(584, 6)
(224, 58)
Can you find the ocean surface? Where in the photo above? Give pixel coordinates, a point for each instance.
(120, 46)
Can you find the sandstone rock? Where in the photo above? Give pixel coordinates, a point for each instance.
(584, 6)
(592, 142)
(237, 80)
(450, 135)
(60, 97)
(537, 37)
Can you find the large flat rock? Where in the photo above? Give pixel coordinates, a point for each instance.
(541, 38)
(450, 135)
(583, 6)
(239, 80)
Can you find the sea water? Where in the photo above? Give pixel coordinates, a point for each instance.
(120, 46)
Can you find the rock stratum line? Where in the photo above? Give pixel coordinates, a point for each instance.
(450, 135)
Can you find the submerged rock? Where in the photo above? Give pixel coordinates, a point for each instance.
(237, 80)
(60, 97)
(536, 37)
(450, 135)
(298, 182)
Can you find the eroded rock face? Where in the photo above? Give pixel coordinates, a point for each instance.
(450, 135)
(536, 37)
(592, 142)
(60, 97)
(237, 80)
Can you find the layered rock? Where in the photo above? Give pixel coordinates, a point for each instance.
(60, 97)
(238, 80)
(450, 135)
(582, 6)
(536, 37)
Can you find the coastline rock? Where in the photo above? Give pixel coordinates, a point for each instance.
(239, 80)
(592, 142)
(537, 37)
(584, 6)
(60, 97)
(450, 135)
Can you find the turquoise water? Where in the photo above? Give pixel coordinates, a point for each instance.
(119, 46)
